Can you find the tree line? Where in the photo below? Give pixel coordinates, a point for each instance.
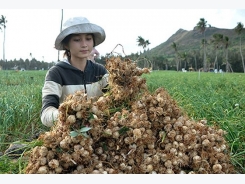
(189, 60)
(26, 64)
(218, 41)
(214, 53)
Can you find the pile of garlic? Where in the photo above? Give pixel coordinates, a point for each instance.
(129, 130)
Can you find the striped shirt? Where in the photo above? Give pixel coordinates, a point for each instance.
(63, 79)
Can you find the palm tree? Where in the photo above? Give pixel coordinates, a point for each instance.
(175, 47)
(61, 22)
(30, 61)
(3, 22)
(216, 41)
(226, 44)
(201, 25)
(185, 57)
(194, 53)
(142, 42)
(238, 29)
(147, 43)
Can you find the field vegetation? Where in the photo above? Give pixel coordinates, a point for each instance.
(217, 97)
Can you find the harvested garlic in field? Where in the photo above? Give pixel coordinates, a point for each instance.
(80, 168)
(223, 147)
(182, 172)
(168, 146)
(156, 159)
(108, 132)
(77, 147)
(71, 119)
(184, 129)
(171, 134)
(99, 150)
(169, 171)
(128, 140)
(221, 132)
(64, 144)
(143, 117)
(103, 157)
(76, 107)
(137, 134)
(99, 165)
(202, 171)
(79, 115)
(132, 131)
(193, 132)
(211, 137)
(102, 171)
(43, 170)
(95, 172)
(206, 142)
(111, 142)
(75, 157)
(180, 154)
(50, 155)
(53, 163)
(177, 125)
(182, 147)
(123, 166)
(204, 122)
(175, 144)
(58, 170)
(43, 151)
(168, 164)
(175, 161)
(148, 160)
(115, 135)
(151, 146)
(217, 149)
(188, 123)
(173, 151)
(43, 161)
(85, 153)
(149, 168)
(197, 159)
(178, 138)
(131, 161)
(217, 168)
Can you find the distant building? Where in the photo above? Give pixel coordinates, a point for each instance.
(15, 67)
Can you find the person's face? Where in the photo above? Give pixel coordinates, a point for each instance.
(80, 45)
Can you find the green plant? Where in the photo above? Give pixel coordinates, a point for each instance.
(83, 131)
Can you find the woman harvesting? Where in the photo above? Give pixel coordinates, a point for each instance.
(75, 72)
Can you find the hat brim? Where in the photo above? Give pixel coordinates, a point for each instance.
(98, 32)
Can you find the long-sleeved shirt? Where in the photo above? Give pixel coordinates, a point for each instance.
(63, 79)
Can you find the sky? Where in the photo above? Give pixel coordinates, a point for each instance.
(33, 28)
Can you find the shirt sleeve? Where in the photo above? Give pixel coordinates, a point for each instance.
(51, 92)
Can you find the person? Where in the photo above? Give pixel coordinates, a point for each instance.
(76, 72)
(93, 55)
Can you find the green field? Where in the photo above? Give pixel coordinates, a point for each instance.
(217, 97)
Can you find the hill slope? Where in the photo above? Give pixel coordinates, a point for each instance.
(190, 40)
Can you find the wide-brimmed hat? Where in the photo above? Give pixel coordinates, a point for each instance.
(78, 25)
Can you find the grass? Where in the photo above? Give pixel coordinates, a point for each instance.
(219, 98)
(20, 105)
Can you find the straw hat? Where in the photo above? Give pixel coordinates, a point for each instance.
(78, 25)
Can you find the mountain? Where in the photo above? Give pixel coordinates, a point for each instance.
(190, 40)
